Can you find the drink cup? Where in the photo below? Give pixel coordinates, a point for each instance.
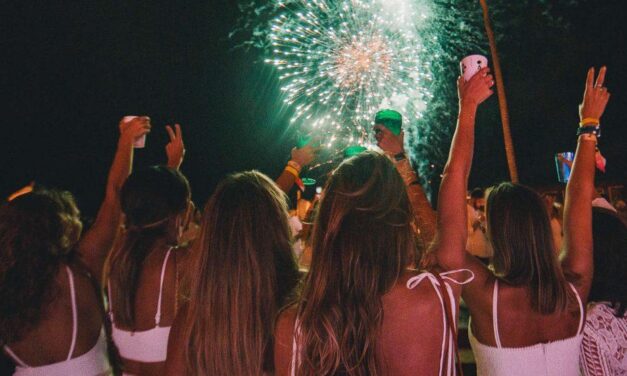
(139, 142)
(472, 64)
(563, 163)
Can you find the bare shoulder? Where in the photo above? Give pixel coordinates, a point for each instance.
(406, 302)
(412, 329)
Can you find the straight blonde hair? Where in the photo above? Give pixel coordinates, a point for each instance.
(242, 272)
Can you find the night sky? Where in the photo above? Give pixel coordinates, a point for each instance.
(71, 70)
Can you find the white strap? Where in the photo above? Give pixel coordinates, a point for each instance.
(15, 357)
(414, 281)
(74, 324)
(581, 309)
(495, 321)
(165, 263)
(74, 314)
(295, 355)
(110, 300)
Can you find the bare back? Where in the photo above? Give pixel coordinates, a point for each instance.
(411, 335)
(518, 324)
(49, 342)
(146, 302)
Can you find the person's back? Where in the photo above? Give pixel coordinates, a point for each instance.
(243, 272)
(362, 308)
(52, 317)
(143, 279)
(526, 340)
(54, 323)
(527, 312)
(52, 341)
(143, 346)
(604, 345)
(408, 315)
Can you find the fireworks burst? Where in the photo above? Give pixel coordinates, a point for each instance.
(342, 61)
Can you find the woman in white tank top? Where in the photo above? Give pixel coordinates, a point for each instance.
(527, 313)
(144, 271)
(52, 321)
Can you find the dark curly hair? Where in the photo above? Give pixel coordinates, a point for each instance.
(610, 261)
(37, 233)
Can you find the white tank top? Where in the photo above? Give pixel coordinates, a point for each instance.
(148, 346)
(94, 362)
(557, 358)
(447, 354)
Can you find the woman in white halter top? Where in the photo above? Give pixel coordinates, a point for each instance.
(363, 307)
(52, 321)
(527, 313)
(144, 274)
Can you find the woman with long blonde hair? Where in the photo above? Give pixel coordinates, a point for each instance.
(242, 272)
(364, 310)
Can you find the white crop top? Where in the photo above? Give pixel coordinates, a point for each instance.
(148, 346)
(93, 362)
(557, 358)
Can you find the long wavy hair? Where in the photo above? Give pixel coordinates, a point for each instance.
(38, 231)
(151, 199)
(243, 273)
(520, 233)
(362, 242)
(610, 261)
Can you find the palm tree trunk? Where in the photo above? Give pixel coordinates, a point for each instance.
(500, 88)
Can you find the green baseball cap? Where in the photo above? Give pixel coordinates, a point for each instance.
(352, 151)
(392, 120)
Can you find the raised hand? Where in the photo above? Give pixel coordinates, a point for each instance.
(175, 149)
(304, 156)
(595, 98)
(477, 89)
(388, 141)
(136, 127)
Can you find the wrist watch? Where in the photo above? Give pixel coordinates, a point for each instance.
(400, 156)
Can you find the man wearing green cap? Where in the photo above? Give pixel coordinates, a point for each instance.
(391, 119)
(390, 138)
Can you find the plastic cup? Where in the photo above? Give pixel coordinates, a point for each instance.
(139, 142)
(472, 64)
(563, 163)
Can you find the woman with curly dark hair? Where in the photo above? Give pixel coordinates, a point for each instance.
(51, 316)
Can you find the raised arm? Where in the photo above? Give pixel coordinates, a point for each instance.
(452, 230)
(301, 157)
(97, 241)
(424, 214)
(578, 261)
